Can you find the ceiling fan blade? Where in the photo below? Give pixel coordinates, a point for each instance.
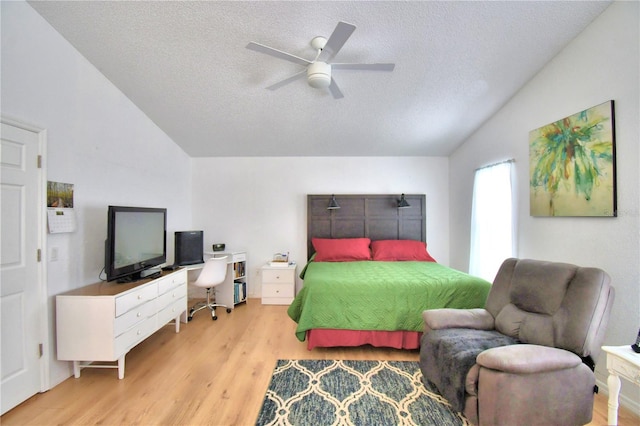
(335, 90)
(288, 80)
(364, 67)
(338, 38)
(277, 53)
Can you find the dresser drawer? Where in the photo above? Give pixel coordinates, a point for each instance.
(134, 316)
(277, 290)
(134, 335)
(276, 276)
(172, 311)
(170, 296)
(171, 282)
(141, 295)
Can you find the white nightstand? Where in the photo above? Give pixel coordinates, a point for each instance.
(621, 362)
(278, 284)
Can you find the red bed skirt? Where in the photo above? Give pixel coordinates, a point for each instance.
(389, 339)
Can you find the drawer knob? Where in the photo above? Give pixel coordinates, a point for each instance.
(139, 332)
(139, 315)
(139, 296)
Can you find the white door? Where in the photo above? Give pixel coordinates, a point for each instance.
(22, 310)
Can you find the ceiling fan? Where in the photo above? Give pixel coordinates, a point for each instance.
(318, 71)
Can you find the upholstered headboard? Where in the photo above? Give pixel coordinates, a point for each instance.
(375, 216)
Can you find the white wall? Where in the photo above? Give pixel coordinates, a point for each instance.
(599, 65)
(260, 204)
(97, 140)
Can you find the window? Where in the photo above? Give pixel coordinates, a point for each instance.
(491, 220)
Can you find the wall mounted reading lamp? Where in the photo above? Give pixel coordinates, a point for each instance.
(333, 204)
(402, 203)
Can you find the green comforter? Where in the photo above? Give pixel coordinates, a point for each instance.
(377, 295)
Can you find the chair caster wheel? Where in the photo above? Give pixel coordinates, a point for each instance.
(189, 318)
(214, 317)
(228, 310)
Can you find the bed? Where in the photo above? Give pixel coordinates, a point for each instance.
(370, 276)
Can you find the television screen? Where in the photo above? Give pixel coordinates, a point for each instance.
(136, 241)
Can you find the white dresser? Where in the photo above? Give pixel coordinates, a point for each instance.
(104, 321)
(278, 284)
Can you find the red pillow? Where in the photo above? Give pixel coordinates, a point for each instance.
(341, 249)
(400, 250)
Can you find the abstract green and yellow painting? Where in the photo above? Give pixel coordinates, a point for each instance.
(572, 165)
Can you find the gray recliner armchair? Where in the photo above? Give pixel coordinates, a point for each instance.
(528, 357)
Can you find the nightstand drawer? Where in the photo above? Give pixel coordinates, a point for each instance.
(276, 276)
(277, 300)
(277, 290)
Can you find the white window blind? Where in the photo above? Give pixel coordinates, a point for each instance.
(491, 220)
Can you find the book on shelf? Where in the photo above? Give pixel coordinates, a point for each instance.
(239, 292)
(239, 269)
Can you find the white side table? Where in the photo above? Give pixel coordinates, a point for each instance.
(621, 362)
(278, 284)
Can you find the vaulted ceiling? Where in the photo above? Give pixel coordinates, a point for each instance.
(186, 66)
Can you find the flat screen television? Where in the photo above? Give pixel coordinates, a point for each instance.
(136, 241)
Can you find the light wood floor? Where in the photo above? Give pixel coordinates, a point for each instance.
(211, 373)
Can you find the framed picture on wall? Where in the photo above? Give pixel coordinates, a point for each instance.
(572, 165)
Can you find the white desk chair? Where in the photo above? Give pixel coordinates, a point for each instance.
(213, 273)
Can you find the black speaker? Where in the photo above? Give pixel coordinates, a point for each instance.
(189, 247)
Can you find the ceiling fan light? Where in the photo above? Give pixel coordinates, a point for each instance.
(319, 75)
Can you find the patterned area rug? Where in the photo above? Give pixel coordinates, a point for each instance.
(326, 392)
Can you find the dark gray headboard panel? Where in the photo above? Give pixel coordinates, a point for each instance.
(375, 216)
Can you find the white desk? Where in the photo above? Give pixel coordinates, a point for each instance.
(224, 291)
(621, 362)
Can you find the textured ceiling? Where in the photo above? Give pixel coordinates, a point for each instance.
(186, 66)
